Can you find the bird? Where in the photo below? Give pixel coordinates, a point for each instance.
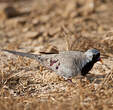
(67, 64)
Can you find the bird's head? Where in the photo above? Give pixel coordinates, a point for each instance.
(93, 55)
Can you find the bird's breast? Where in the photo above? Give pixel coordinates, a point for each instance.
(86, 68)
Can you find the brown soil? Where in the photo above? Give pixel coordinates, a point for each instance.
(39, 25)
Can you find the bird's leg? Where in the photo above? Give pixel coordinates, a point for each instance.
(69, 80)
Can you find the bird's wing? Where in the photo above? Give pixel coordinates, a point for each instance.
(65, 65)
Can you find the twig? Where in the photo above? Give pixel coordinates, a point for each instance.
(65, 32)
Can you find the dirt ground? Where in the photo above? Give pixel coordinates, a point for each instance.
(43, 25)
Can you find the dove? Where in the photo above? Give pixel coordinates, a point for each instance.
(67, 64)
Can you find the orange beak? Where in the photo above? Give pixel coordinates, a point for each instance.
(101, 60)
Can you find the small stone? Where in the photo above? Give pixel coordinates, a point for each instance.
(7, 11)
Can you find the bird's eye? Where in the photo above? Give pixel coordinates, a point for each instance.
(96, 56)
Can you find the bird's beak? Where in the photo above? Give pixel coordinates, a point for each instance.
(100, 60)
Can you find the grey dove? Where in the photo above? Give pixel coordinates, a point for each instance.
(67, 64)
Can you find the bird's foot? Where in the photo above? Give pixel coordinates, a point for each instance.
(70, 81)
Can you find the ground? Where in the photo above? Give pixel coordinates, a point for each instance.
(51, 26)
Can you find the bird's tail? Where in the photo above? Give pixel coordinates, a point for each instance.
(32, 56)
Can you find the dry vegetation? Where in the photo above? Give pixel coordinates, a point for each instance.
(39, 25)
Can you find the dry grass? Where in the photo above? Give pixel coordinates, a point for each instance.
(25, 85)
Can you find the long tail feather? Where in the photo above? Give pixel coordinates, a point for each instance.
(33, 56)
